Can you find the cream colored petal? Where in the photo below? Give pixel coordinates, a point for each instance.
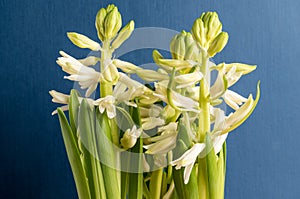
(59, 97)
(187, 172)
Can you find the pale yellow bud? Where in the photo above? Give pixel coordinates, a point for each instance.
(108, 22)
(123, 35)
(110, 73)
(214, 27)
(83, 41)
(130, 137)
(198, 32)
(218, 44)
(206, 29)
(127, 67)
(99, 23)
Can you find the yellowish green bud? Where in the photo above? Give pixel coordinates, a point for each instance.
(206, 29)
(110, 74)
(127, 67)
(83, 41)
(183, 47)
(214, 27)
(108, 22)
(112, 23)
(241, 68)
(218, 44)
(130, 137)
(99, 23)
(123, 35)
(198, 32)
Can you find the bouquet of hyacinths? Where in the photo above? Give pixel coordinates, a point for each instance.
(165, 139)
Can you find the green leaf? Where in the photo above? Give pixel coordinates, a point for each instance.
(189, 190)
(215, 171)
(73, 109)
(86, 127)
(108, 156)
(136, 181)
(74, 157)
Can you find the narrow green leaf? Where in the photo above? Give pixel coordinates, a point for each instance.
(189, 190)
(86, 127)
(212, 170)
(73, 110)
(136, 181)
(107, 156)
(74, 157)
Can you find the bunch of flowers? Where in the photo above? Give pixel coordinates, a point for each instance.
(164, 139)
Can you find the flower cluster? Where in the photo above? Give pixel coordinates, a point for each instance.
(178, 120)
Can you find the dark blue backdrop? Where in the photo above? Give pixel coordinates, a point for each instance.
(263, 160)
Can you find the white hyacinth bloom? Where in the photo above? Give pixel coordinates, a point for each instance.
(233, 99)
(188, 159)
(62, 98)
(187, 80)
(130, 137)
(236, 117)
(233, 76)
(185, 103)
(87, 77)
(164, 142)
(152, 122)
(107, 103)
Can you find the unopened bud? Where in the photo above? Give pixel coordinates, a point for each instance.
(83, 41)
(218, 44)
(123, 35)
(108, 22)
(110, 73)
(130, 137)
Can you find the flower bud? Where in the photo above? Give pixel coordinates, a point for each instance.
(198, 32)
(218, 44)
(183, 46)
(123, 35)
(110, 73)
(127, 67)
(108, 22)
(206, 29)
(130, 137)
(214, 27)
(99, 23)
(83, 41)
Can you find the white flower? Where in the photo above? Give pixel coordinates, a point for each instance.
(151, 75)
(188, 159)
(219, 124)
(187, 80)
(240, 114)
(87, 77)
(185, 103)
(233, 99)
(107, 103)
(151, 111)
(83, 41)
(233, 76)
(130, 137)
(164, 142)
(61, 98)
(152, 122)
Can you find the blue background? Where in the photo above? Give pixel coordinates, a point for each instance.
(263, 159)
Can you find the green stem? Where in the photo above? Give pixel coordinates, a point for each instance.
(105, 87)
(156, 183)
(204, 125)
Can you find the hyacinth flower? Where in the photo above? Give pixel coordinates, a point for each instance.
(165, 141)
